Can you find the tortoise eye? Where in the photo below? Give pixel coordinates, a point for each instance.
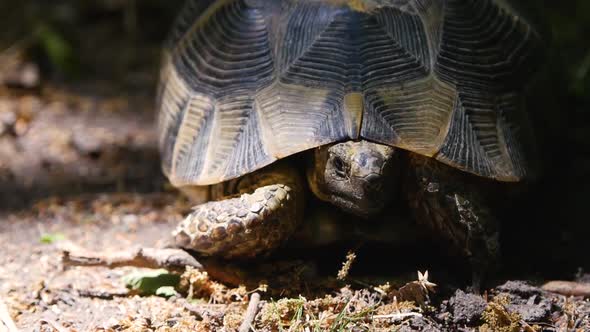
(339, 167)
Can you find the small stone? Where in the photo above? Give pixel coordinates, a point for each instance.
(466, 307)
(421, 324)
(519, 288)
(242, 213)
(7, 117)
(130, 219)
(531, 313)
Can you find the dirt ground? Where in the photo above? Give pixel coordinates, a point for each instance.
(79, 169)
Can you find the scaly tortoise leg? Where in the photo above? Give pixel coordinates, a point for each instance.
(452, 204)
(264, 210)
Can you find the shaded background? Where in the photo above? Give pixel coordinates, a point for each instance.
(107, 52)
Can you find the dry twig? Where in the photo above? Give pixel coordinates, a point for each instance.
(250, 313)
(55, 325)
(568, 288)
(5, 318)
(102, 293)
(171, 259)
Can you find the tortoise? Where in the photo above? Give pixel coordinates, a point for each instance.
(379, 97)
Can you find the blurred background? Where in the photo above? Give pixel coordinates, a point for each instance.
(77, 84)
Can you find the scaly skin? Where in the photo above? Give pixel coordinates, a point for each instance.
(453, 205)
(261, 211)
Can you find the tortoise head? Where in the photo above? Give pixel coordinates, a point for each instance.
(359, 177)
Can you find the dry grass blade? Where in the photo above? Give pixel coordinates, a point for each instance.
(398, 316)
(343, 273)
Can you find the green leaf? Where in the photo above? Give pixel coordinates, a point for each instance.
(49, 238)
(166, 291)
(57, 48)
(149, 282)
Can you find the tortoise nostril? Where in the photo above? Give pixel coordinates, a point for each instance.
(339, 167)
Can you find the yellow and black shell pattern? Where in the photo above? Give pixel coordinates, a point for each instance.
(247, 82)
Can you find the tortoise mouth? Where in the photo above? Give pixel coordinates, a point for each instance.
(360, 208)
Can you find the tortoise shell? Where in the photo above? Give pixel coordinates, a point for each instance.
(247, 82)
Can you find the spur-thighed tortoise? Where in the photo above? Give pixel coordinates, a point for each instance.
(423, 96)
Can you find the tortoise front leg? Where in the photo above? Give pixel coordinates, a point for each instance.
(453, 204)
(262, 210)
